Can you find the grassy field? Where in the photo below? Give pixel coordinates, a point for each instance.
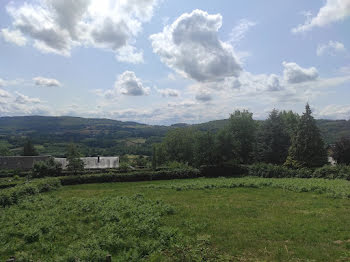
(187, 220)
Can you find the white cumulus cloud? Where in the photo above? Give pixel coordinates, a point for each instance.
(128, 84)
(331, 48)
(294, 74)
(56, 26)
(333, 11)
(14, 36)
(191, 46)
(169, 92)
(48, 82)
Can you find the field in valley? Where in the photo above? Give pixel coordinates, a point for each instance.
(244, 219)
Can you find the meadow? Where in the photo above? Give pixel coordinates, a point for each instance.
(205, 219)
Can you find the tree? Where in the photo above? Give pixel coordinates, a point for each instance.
(290, 120)
(307, 149)
(154, 157)
(161, 155)
(4, 151)
(341, 151)
(48, 168)
(224, 148)
(75, 164)
(28, 149)
(274, 139)
(178, 145)
(204, 149)
(242, 128)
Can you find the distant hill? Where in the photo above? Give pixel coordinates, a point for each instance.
(111, 137)
(95, 136)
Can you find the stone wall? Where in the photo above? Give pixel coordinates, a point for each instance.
(101, 162)
(20, 162)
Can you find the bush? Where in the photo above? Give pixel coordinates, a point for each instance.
(13, 195)
(226, 170)
(124, 167)
(131, 177)
(48, 168)
(333, 172)
(276, 171)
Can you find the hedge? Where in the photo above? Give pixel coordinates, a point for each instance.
(223, 170)
(274, 171)
(131, 177)
(15, 194)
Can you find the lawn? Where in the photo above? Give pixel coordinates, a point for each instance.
(193, 220)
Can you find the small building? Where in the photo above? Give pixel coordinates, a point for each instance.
(27, 162)
(99, 162)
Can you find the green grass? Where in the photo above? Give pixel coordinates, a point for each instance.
(197, 219)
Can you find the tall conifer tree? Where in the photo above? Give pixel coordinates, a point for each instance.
(307, 149)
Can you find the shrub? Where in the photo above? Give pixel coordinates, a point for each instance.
(124, 167)
(48, 168)
(226, 170)
(13, 195)
(333, 172)
(132, 176)
(276, 171)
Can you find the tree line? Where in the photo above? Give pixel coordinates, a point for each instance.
(285, 138)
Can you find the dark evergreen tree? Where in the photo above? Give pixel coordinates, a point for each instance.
(290, 120)
(307, 149)
(28, 149)
(273, 140)
(75, 164)
(341, 151)
(242, 128)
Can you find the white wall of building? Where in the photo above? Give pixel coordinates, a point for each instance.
(101, 162)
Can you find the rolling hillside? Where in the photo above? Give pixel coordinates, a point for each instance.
(110, 137)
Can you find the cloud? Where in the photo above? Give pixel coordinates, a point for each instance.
(128, 84)
(204, 96)
(19, 104)
(240, 30)
(168, 92)
(333, 11)
(15, 37)
(294, 74)
(47, 82)
(129, 54)
(59, 26)
(192, 48)
(335, 112)
(331, 48)
(4, 93)
(23, 99)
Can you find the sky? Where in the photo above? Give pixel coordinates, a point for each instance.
(174, 61)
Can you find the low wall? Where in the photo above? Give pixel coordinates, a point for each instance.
(20, 162)
(101, 162)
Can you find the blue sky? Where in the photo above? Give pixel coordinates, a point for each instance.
(166, 61)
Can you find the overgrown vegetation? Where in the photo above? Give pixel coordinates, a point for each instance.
(20, 192)
(195, 220)
(129, 228)
(332, 188)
